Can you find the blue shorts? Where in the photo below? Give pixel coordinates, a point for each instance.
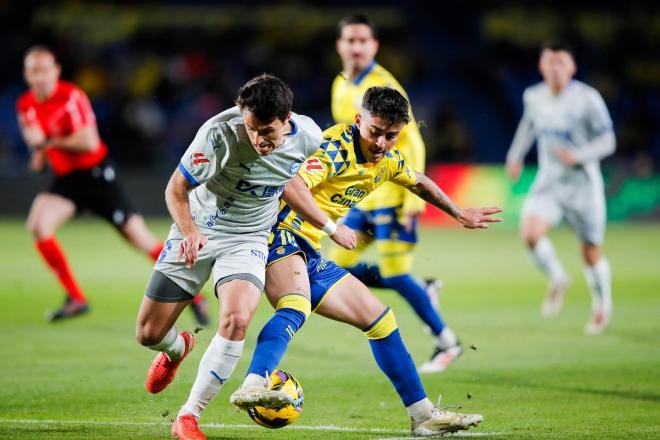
(382, 224)
(323, 274)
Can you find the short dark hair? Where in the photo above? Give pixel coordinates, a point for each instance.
(557, 45)
(39, 48)
(267, 97)
(356, 19)
(386, 103)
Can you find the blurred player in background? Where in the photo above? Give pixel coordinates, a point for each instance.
(58, 125)
(389, 215)
(573, 130)
(353, 161)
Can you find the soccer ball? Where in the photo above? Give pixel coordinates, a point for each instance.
(278, 418)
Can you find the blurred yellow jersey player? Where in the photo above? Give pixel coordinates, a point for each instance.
(389, 215)
(347, 92)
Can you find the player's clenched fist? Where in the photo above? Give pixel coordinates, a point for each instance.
(34, 136)
(513, 169)
(190, 246)
(344, 237)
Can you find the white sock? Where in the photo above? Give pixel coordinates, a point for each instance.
(599, 279)
(217, 364)
(172, 345)
(420, 410)
(446, 338)
(545, 258)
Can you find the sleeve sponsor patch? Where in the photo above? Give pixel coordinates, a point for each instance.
(313, 165)
(199, 158)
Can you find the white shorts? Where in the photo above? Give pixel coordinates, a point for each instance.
(582, 207)
(228, 256)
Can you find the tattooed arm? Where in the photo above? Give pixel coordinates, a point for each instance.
(471, 218)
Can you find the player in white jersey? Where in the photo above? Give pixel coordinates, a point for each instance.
(224, 198)
(573, 131)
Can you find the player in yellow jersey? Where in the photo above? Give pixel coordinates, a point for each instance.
(352, 162)
(387, 217)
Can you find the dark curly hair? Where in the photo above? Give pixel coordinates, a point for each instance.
(386, 103)
(267, 97)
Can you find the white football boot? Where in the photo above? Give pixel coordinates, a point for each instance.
(249, 396)
(442, 422)
(600, 319)
(554, 300)
(441, 358)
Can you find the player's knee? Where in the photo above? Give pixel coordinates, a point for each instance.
(591, 254)
(148, 335)
(38, 230)
(382, 326)
(533, 229)
(530, 239)
(234, 323)
(31, 227)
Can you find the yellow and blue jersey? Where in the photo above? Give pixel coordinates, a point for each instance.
(346, 102)
(339, 177)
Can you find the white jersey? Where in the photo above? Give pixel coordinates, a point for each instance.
(576, 119)
(236, 189)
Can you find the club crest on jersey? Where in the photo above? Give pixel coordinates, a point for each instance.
(380, 175)
(313, 165)
(280, 250)
(293, 169)
(199, 158)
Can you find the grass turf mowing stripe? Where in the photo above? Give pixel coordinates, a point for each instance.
(235, 426)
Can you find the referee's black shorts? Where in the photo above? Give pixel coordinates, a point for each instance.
(96, 190)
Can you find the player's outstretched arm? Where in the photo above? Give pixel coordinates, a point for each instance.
(471, 218)
(299, 198)
(176, 197)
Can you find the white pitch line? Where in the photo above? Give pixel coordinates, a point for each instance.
(456, 434)
(204, 425)
(238, 426)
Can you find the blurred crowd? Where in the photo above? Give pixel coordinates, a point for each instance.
(155, 73)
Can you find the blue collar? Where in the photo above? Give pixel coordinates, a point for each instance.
(294, 128)
(364, 73)
(359, 158)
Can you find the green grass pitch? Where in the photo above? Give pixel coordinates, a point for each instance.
(529, 377)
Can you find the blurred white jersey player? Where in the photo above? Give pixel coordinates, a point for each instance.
(573, 130)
